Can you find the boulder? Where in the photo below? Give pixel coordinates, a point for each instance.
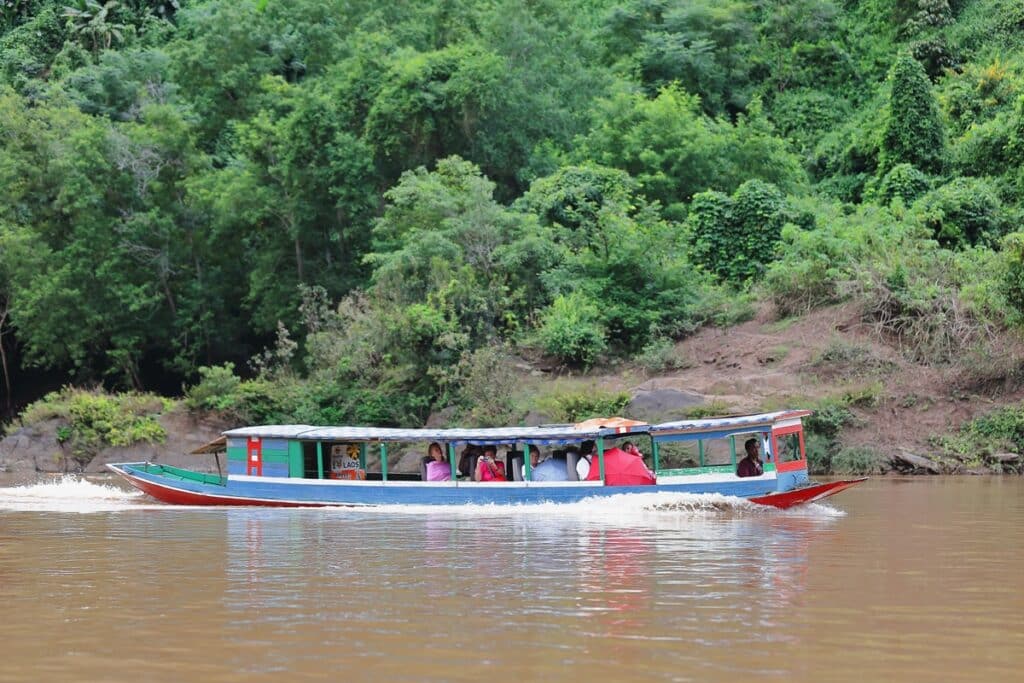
(658, 405)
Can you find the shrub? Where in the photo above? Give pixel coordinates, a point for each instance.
(903, 181)
(94, 420)
(856, 460)
(847, 359)
(485, 387)
(965, 211)
(735, 236)
(660, 354)
(571, 330)
(216, 389)
(828, 419)
(583, 405)
(819, 449)
(1013, 277)
(1000, 430)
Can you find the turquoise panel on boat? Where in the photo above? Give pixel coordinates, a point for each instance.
(296, 466)
(236, 453)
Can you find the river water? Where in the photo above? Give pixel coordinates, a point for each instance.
(897, 580)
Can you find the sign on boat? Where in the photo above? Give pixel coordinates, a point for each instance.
(303, 465)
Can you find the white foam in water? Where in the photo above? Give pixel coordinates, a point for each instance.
(72, 494)
(636, 506)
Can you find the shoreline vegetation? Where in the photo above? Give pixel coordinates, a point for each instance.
(481, 213)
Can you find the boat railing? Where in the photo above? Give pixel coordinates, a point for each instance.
(185, 475)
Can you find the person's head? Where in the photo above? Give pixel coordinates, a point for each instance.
(588, 447)
(751, 445)
(436, 452)
(534, 456)
(490, 452)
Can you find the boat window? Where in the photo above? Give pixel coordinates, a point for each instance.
(789, 447)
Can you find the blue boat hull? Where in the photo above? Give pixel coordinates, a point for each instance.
(267, 491)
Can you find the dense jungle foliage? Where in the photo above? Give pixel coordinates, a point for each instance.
(354, 211)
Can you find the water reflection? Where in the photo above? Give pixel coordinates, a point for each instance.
(494, 573)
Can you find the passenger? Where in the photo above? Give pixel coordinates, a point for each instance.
(630, 447)
(534, 460)
(466, 460)
(552, 469)
(488, 467)
(438, 468)
(534, 456)
(750, 466)
(587, 449)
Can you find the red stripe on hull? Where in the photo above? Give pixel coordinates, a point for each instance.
(808, 494)
(174, 496)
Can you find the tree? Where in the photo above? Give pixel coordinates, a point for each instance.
(735, 237)
(91, 22)
(913, 132)
(675, 151)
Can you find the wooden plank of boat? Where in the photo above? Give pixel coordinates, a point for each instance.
(806, 494)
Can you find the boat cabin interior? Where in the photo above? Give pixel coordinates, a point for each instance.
(667, 450)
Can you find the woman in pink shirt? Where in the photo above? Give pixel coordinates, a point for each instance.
(437, 466)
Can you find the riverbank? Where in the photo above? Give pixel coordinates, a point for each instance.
(876, 411)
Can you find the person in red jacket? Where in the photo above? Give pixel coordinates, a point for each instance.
(488, 467)
(620, 469)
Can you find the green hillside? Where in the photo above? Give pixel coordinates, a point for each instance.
(349, 211)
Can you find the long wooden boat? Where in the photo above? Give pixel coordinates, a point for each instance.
(302, 465)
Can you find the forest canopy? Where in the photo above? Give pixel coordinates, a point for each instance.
(364, 210)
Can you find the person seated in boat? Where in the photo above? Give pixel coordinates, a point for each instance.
(437, 464)
(534, 460)
(630, 447)
(621, 469)
(488, 467)
(468, 459)
(750, 466)
(552, 469)
(587, 450)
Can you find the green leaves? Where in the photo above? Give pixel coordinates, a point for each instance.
(914, 132)
(735, 237)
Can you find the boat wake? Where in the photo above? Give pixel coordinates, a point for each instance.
(620, 508)
(70, 493)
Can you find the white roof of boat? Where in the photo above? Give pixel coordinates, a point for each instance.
(495, 435)
(543, 434)
(711, 424)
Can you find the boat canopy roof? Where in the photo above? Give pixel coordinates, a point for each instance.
(544, 434)
(717, 427)
(711, 427)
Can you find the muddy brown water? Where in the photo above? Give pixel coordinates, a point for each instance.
(898, 580)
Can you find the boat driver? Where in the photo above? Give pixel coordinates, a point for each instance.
(750, 466)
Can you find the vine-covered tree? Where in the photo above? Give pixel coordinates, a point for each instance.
(914, 131)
